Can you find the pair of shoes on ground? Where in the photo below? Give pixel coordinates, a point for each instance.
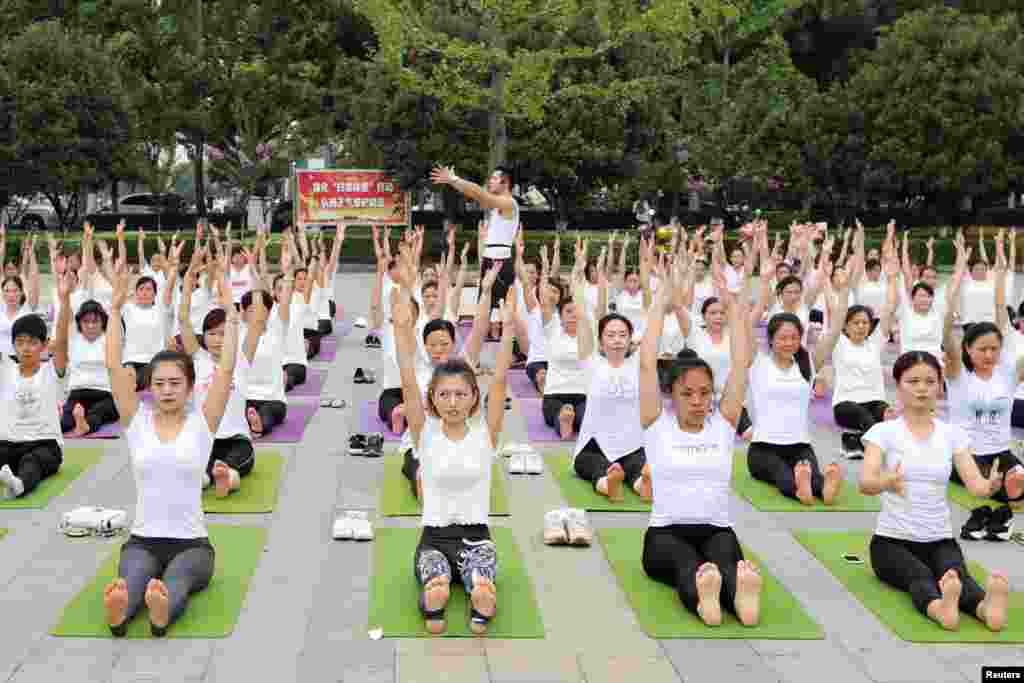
(850, 446)
(354, 525)
(362, 376)
(567, 526)
(523, 459)
(332, 403)
(988, 524)
(372, 341)
(370, 445)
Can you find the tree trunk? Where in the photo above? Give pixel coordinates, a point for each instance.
(498, 142)
(115, 195)
(198, 162)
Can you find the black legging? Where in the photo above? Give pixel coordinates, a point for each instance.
(774, 464)
(552, 405)
(591, 464)
(410, 468)
(184, 565)
(917, 567)
(295, 374)
(272, 413)
(1017, 414)
(99, 407)
(859, 417)
(388, 401)
(1007, 461)
(312, 342)
(236, 452)
(672, 555)
(31, 461)
(506, 277)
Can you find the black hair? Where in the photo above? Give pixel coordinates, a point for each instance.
(182, 360)
(236, 250)
(932, 268)
(685, 361)
(145, 280)
(708, 303)
(588, 270)
(507, 173)
(455, 367)
(554, 282)
(802, 358)
(31, 325)
(871, 264)
(429, 284)
(973, 333)
(438, 324)
(610, 318)
(21, 286)
(786, 282)
(631, 271)
(925, 286)
(268, 301)
(912, 358)
(212, 320)
(92, 307)
(563, 301)
(853, 311)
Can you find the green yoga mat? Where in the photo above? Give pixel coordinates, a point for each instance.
(76, 461)
(893, 607)
(767, 498)
(211, 613)
(397, 499)
(959, 494)
(662, 615)
(259, 489)
(394, 591)
(579, 493)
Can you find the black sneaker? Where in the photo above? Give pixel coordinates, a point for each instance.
(372, 341)
(976, 527)
(1000, 524)
(357, 444)
(374, 445)
(852, 448)
(359, 377)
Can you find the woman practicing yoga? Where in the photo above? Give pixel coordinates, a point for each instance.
(908, 462)
(168, 556)
(456, 445)
(147, 322)
(690, 544)
(89, 404)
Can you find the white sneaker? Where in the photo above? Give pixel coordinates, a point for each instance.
(360, 322)
(555, 532)
(343, 530)
(577, 527)
(517, 464)
(534, 464)
(362, 530)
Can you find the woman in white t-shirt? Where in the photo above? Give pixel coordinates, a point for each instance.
(630, 301)
(16, 304)
(982, 376)
(147, 325)
(89, 404)
(168, 556)
(908, 462)
(31, 441)
(855, 352)
(456, 442)
(565, 398)
(690, 544)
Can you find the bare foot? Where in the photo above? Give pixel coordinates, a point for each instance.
(992, 609)
(158, 604)
(485, 601)
(222, 478)
(398, 419)
(748, 593)
(614, 478)
(802, 474)
(435, 597)
(419, 487)
(833, 479)
(255, 422)
(643, 486)
(1014, 482)
(709, 588)
(946, 610)
(115, 601)
(542, 376)
(81, 426)
(566, 417)
(748, 435)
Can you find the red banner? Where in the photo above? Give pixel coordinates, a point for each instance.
(349, 196)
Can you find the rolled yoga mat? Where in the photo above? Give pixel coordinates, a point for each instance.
(893, 607)
(76, 461)
(394, 591)
(579, 493)
(294, 425)
(259, 489)
(662, 615)
(397, 499)
(369, 422)
(211, 613)
(767, 498)
(313, 385)
(536, 428)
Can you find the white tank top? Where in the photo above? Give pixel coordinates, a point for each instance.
(501, 233)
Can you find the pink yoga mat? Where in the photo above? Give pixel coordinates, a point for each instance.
(110, 430)
(313, 385)
(519, 385)
(294, 425)
(328, 351)
(536, 428)
(369, 422)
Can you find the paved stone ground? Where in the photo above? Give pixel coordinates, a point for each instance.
(305, 617)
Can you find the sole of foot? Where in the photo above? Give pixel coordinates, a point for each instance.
(255, 423)
(644, 488)
(615, 476)
(81, 426)
(566, 417)
(748, 593)
(484, 599)
(949, 606)
(158, 604)
(115, 601)
(833, 480)
(709, 590)
(802, 475)
(221, 479)
(435, 597)
(997, 598)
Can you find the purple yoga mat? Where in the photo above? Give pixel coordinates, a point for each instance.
(536, 428)
(369, 422)
(294, 425)
(341, 328)
(328, 351)
(110, 430)
(821, 413)
(313, 385)
(519, 385)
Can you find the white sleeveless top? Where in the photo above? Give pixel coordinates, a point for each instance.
(501, 233)
(169, 476)
(87, 363)
(613, 408)
(456, 475)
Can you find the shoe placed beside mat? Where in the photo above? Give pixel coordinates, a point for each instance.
(259, 489)
(767, 498)
(662, 615)
(211, 613)
(397, 499)
(894, 607)
(581, 494)
(76, 461)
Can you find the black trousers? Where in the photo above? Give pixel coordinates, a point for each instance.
(388, 401)
(236, 452)
(31, 461)
(312, 342)
(532, 369)
(1017, 415)
(591, 464)
(672, 555)
(1007, 461)
(917, 567)
(272, 413)
(552, 405)
(141, 374)
(506, 278)
(774, 464)
(744, 423)
(456, 552)
(99, 407)
(410, 468)
(295, 374)
(325, 327)
(859, 418)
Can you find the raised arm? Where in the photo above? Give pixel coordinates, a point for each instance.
(188, 335)
(220, 391)
(741, 348)
(828, 342)
(891, 266)
(122, 380)
(60, 339)
(483, 316)
(33, 277)
(1002, 315)
(442, 175)
(950, 344)
(650, 387)
(499, 385)
(406, 352)
(547, 309)
(143, 263)
(584, 326)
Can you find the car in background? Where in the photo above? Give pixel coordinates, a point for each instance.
(151, 202)
(35, 213)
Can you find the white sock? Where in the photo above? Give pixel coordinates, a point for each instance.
(15, 487)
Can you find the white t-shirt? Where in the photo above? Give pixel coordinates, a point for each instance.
(30, 403)
(702, 291)
(982, 407)
(566, 373)
(672, 339)
(295, 341)
(327, 296)
(233, 423)
(262, 378)
(87, 363)
(632, 306)
(922, 332)
(922, 515)
(690, 472)
(977, 301)
(858, 369)
(718, 356)
(803, 314)
(733, 278)
(6, 324)
(1016, 341)
(538, 340)
(169, 476)
(456, 475)
(145, 331)
(612, 417)
(780, 402)
(872, 295)
(78, 297)
(241, 281)
(202, 303)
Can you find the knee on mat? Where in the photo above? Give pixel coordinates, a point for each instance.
(432, 564)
